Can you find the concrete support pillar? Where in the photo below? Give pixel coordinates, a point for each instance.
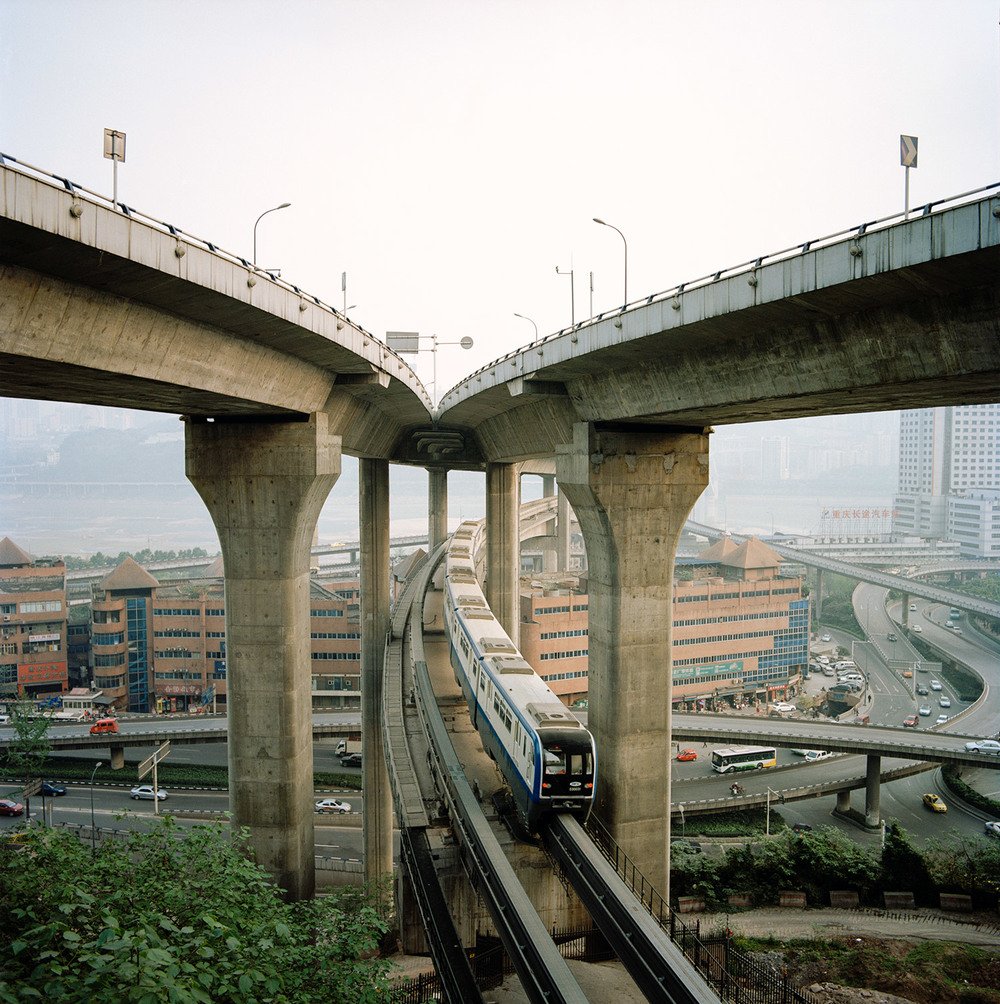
(563, 533)
(437, 507)
(873, 789)
(373, 477)
(550, 557)
(632, 490)
(117, 757)
(503, 546)
(844, 800)
(906, 610)
(264, 484)
(818, 601)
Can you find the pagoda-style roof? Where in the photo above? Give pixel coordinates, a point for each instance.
(752, 553)
(128, 575)
(719, 550)
(12, 556)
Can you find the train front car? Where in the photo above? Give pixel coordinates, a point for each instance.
(568, 764)
(543, 752)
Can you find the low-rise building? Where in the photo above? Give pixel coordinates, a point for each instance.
(740, 629)
(33, 624)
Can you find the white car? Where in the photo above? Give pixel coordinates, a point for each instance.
(992, 828)
(936, 685)
(918, 629)
(984, 746)
(782, 708)
(333, 805)
(941, 719)
(146, 791)
(825, 637)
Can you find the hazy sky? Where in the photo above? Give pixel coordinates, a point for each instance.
(449, 155)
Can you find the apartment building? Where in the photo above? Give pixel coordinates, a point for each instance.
(949, 476)
(33, 623)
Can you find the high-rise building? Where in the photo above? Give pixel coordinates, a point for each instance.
(949, 476)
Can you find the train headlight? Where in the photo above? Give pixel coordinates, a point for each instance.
(545, 784)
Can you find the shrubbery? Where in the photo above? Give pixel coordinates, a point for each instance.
(173, 915)
(826, 860)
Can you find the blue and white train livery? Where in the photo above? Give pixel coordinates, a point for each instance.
(544, 753)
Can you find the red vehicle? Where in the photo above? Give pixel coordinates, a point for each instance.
(8, 807)
(687, 755)
(910, 721)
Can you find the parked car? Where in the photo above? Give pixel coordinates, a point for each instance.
(685, 755)
(48, 788)
(924, 710)
(8, 807)
(351, 760)
(984, 746)
(333, 805)
(945, 701)
(910, 721)
(934, 802)
(146, 791)
(992, 828)
(936, 685)
(825, 637)
(940, 720)
(782, 708)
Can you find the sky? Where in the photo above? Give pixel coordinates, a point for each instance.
(449, 156)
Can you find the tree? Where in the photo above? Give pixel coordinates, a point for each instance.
(171, 915)
(903, 867)
(29, 748)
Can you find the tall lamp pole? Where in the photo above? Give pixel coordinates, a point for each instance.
(284, 205)
(625, 242)
(93, 827)
(523, 318)
(572, 295)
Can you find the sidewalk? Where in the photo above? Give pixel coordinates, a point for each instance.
(826, 922)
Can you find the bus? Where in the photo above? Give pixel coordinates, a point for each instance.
(742, 758)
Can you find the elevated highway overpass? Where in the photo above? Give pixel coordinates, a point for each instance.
(103, 305)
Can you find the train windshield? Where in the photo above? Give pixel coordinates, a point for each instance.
(568, 771)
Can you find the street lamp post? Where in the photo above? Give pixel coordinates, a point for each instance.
(572, 294)
(523, 318)
(625, 242)
(93, 826)
(284, 205)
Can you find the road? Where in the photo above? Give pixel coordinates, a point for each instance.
(336, 836)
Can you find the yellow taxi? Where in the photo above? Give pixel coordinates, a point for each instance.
(934, 803)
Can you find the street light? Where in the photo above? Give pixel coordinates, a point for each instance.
(284, 205)
(572, 295)
(523, 318)
(93, 826)
(625, 242)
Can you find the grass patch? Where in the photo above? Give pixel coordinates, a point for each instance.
(931, 972)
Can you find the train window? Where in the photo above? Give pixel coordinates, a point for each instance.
(555, 762)
(581, 763)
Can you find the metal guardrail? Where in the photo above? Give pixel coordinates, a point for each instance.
(733, 975)
(96, 198)
(751, 265)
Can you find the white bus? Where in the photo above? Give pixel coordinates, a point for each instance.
(742, 758)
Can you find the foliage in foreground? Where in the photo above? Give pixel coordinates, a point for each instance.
(178, 916)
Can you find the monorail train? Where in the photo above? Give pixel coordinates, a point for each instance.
(544, 753)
